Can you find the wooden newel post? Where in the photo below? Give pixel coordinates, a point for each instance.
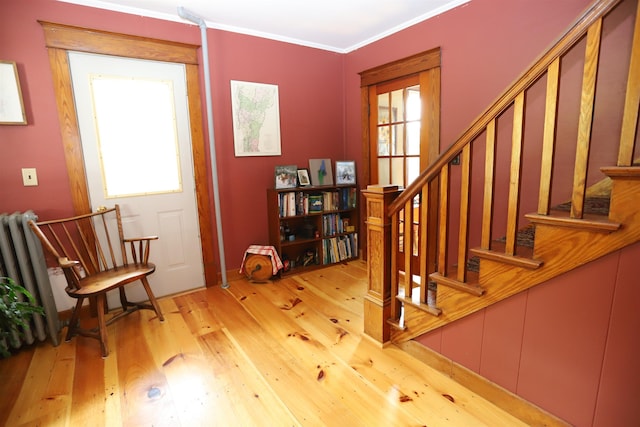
(377, 302)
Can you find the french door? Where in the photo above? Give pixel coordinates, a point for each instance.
(403, 128)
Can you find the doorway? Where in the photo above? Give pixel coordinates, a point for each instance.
(401, 109)
(60, 39)
(134, 128)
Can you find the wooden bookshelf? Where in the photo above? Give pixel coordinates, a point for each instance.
(312, 227)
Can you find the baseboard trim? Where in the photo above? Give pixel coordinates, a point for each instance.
(499, 396)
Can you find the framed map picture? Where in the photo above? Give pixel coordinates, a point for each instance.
(256, 119)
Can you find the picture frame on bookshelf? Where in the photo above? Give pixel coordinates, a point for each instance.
(286, 176)
(345, 172)
(303, 178)
(321, 172)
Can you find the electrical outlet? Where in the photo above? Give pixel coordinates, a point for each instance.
(29, 177)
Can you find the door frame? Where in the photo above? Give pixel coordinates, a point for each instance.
(427, 66)
(59, 39)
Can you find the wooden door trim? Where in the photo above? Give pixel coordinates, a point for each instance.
(401, 68)
(59, 39)
(426, 65)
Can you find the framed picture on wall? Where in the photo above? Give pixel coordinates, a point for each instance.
(321, 171)
(11, 105)
(286, 176)
(256, 119)
(345, 172)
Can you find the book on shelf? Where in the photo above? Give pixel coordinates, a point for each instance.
(335, 224)
(347, 198)
(315, 203)
(293, 203)
(330, 200)
(340, 248)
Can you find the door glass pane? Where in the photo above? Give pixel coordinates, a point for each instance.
(413, 169)
(383, 141)
(398, 131)
(397, 171)
(383, 108)
(413, 103)
(397, 136)
(383, 171)
(397, 106)
(137, 137)
(413, 138)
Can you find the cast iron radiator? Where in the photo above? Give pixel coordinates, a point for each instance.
(22, 259)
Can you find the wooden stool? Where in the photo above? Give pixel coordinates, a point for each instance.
(257, 268)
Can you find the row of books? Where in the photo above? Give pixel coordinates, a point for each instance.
(340, 248)
(340, 199)
(335, 224)
(294, 203)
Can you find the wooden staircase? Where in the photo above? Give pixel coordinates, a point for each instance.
(561, 244)
(441, 227)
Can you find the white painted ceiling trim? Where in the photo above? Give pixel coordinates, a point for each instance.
(339, 26)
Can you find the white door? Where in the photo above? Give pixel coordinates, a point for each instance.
(134, 126)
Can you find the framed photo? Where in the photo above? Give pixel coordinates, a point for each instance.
(303, 178)
(256, 119)
(321, 171)
(345, 172)
(11, 105)
(286, 176)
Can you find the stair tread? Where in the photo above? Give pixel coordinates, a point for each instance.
(471, 285)
(523, 250)
(435, 311)
(523, 256)
(632, 171)
(594, 222)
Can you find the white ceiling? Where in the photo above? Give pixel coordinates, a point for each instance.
(335, 25)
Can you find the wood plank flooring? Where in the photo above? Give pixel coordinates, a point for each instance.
(285, 353)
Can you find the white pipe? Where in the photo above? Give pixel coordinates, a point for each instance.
(189, 16)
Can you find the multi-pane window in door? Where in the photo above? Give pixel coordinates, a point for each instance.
(398, 135)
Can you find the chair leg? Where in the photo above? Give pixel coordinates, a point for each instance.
(152, 298)
(102, 326)
(73, 323)
(123, 299)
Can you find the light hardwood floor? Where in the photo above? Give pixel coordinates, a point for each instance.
(285, 353)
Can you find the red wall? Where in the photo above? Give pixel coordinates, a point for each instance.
(311, 112)
(568, 345)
